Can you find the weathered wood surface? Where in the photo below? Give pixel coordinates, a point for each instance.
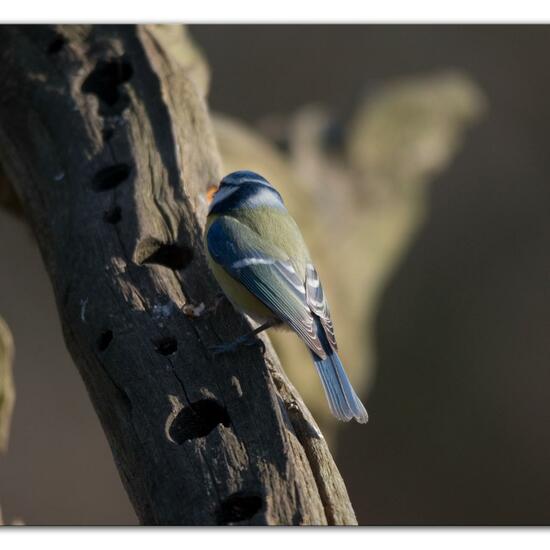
(106, 139)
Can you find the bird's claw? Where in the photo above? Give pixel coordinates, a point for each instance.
(221, 349)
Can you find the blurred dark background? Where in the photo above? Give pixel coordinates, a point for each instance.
(459, 408)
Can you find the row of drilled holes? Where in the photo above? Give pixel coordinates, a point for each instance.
(104, 82)
(201, 417)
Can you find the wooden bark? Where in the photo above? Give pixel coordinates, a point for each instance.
(107, 142)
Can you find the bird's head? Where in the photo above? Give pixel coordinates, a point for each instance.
(243, 189)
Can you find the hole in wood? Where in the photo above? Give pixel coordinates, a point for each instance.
(56, 45)
(166, 346)
(106, 78)
(111, 176)
(104, 340)
(172, 255)
(198, 420)
(113, 215)
(238, 507)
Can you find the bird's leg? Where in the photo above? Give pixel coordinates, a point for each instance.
(247, 339)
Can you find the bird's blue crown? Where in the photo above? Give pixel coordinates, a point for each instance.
(245, 189)
(244, 177)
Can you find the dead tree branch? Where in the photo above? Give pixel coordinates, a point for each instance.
(106, 139)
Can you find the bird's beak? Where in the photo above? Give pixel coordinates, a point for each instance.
(212, 190)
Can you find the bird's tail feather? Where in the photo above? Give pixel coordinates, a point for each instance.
(342, 399)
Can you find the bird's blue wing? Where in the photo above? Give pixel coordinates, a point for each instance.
(267, 272)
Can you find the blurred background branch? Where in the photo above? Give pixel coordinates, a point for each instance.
(7, 387)
(358, 191)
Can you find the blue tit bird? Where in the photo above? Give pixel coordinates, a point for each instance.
(259, 258)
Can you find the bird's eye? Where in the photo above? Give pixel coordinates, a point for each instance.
(210, 193)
